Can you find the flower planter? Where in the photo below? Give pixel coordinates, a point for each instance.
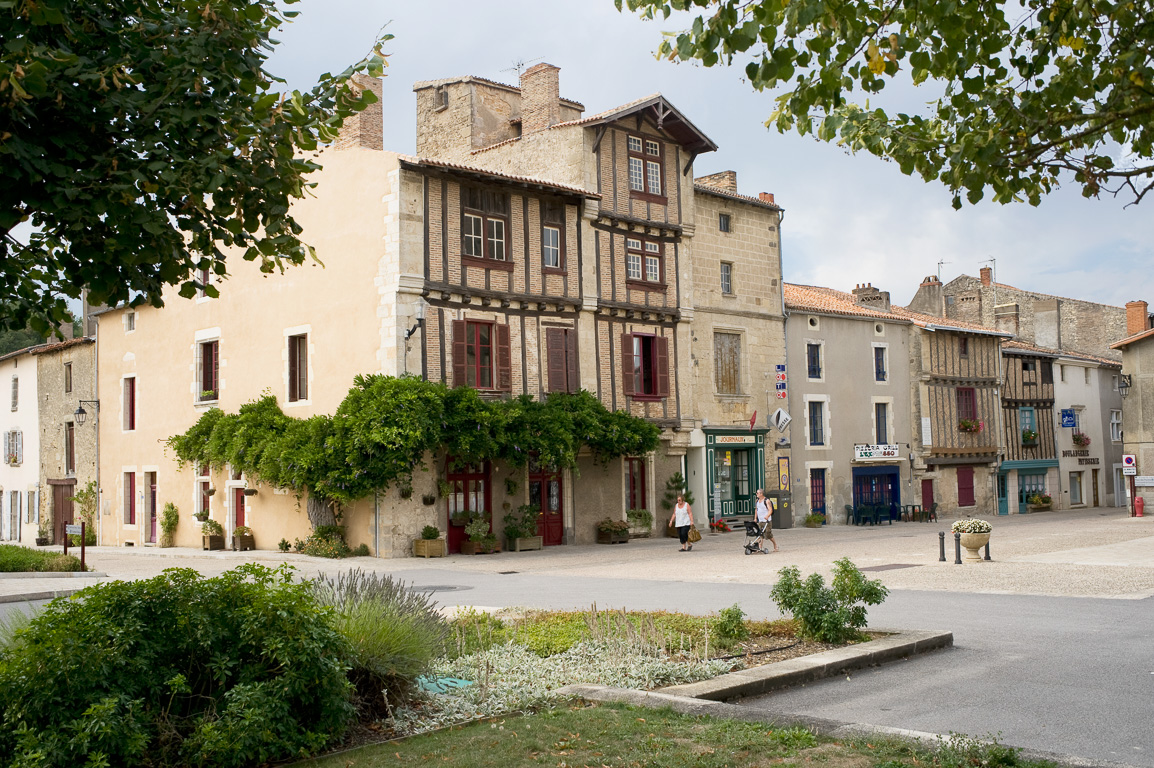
(972, 542)
(640, 533)
(42, 541)
(429, 548)
(243, 543)
(476, 548)
(213, 542)
(525, 543)
(1038, 507)
(610, 537)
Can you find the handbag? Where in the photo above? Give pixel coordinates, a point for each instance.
(694, 534)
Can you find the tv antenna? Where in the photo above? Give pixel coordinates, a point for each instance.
(520, 64)
(940, 263)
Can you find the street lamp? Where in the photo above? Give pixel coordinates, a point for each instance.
(1124, 384)
(80, 415)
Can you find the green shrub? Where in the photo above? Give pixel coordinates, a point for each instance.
(284, 546)
(814, 521)
(362, 550)
(393, 634)
(211, 527)
(86, 501)
(176, 670)
(639, 518)
(169, 519)
(829, 615)
(14, 558)
(523, 523)
(320, 546)
(430, 532)
(730, 626)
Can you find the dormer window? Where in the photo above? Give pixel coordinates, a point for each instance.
(645, 168)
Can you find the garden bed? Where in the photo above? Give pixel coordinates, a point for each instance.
(17, 559)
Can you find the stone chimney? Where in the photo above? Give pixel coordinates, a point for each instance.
(366, 128)
(987, 276)
(766, 197)
(540, 98)
(726, 180)
(1006, 318)
(1137, 317)
(871, 298)
(928, 299)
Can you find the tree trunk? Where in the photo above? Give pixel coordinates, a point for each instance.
(320, 512)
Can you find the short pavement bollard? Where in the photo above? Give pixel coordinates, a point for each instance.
(957, 549)
(942, 545)
(987, 550)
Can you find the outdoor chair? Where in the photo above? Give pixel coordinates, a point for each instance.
(932, 512)
(849, 515)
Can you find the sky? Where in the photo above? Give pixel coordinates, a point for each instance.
(849, 219)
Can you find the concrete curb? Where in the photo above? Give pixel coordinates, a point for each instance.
(53, 575)
(45, 595)
(831, 728)
(771, 677)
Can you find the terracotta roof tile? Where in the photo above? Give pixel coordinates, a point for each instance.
(1131, 339)
(818, 299)
(710, 190)
(426, 161)
(57, 346)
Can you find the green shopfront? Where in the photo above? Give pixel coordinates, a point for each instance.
(735, 462)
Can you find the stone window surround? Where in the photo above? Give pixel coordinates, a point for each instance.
(827, 435)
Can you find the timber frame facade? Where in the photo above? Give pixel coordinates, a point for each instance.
(1030, 464)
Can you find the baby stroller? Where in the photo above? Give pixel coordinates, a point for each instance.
(755, 538)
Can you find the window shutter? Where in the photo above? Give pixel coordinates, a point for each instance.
(965, 486)
(7, 435)
(216, 368)
(19, 447)
(459, 353)
(293, 374)
(555, 354)
(571, 384)
(303, 367)
(504, 359)
(661, 362)
(627, 363)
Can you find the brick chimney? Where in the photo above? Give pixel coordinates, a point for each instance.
(868, 296)
(1137, 317)
(540, 98)
(364, 129)
(987, 276)
(726, 180)
(766, 197)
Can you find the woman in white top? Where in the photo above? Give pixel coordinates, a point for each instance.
(763, 514)
(682, 519)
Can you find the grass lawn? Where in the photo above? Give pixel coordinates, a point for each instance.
(617, 735)
(14, 557)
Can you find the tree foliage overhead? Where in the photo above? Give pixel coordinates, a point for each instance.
(385, 427)
(1034, 92)
(139, 138)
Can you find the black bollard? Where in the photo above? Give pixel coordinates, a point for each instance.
(942, 545)
(957, 549)
(987, 550)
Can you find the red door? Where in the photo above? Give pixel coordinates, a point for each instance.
(238, 507)
(468, 495)
(545, 495)
(927, 494)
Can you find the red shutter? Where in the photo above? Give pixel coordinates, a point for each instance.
(555, 354)
(459, 341)
(627, 363)
(661, 362)
(965, 486)
(504, 359)
(571, 383)
(130, 405)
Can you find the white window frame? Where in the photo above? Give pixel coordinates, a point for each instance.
(820, 358)
(551, 246)
(634, 263)
(473, 236)
(200, 337)
(1115, 425)
(890, 413)
(636, 174)
(727, 278)
(307, 332)
(826, 434)
(885, 347)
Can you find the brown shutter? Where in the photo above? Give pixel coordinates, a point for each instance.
(555, 359)
(459, 353)
(965, 486)
(131, 404)
(661, 362)
(504, 359)
(571, 360)
(627, 363)
(294, 387)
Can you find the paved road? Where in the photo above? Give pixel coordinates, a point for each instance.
(1053, 644)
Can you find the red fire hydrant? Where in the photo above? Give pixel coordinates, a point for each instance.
(1139, 502)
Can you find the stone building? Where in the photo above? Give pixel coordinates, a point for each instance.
(66, 381)
(524, 251)
(1090, 447)
(1137, 388)
(19, 489)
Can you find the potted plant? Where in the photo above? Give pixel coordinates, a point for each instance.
(11, 458)
(1038, 501)
(611, 531)
(169, 519)
(43, 534)
(212, 534)
(242, 540)
(975, 535)
(719, 526)
(430, 544)
(481, 539)
(462, 518)
(1081, 439)
(1029, 437)
(640, 523)
(207, 394)
(970, 425)
(521, 529)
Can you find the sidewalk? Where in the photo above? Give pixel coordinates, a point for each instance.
(1092, 553)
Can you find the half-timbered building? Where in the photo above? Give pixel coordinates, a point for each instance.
(1030, 464)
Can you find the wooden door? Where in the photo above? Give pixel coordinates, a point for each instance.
(468, 495)
(545, 495)
(927, 493)
(238, 507)
(1094, 481)
(61, 507)
(817, 491)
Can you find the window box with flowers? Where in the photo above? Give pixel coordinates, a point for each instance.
(1029, 437)
(1081, 439)
(1039, 502)
(11, 459)
(972, 426)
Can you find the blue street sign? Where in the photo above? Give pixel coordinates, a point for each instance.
(781, 385)
(1068, 418)
(780, 368)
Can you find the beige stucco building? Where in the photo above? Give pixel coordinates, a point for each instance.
(524, 251)
(1137, 383)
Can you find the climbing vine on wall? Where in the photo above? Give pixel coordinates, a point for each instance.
(385, 426)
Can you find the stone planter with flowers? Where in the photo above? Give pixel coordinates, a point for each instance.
(1039, 502)
(611, 531)
(975, 535)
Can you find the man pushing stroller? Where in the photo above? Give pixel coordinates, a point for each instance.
(762, 528)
